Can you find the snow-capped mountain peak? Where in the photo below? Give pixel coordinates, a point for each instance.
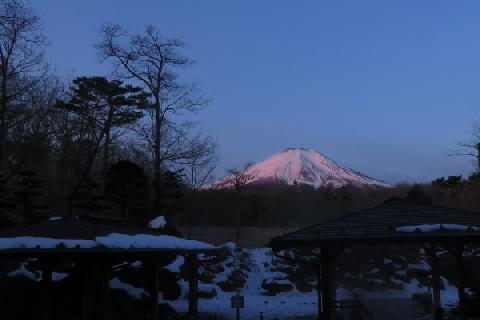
(305, 166)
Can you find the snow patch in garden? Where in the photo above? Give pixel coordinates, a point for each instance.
(135, 292)
(158, 223)
(176, 264)
(55, 218)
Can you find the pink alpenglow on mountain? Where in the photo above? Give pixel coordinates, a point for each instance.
(304, 167)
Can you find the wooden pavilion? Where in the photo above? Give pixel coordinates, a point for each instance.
(93, 245)
(396, 221)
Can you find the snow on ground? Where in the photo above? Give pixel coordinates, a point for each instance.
(158, 223)
(261, 269)
(289, 304)
(176, 264)
(55, 218)
(435, 227)
(293, 303)
(35, 276)
(135, 292)
(24, 272)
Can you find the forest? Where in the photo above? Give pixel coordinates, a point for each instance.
(117, 145)
(125, 145)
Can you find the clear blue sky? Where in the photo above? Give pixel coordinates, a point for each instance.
(384, 87)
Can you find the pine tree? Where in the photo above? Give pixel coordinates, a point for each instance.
(29, 197)
(6, 205)
(127, 186)
(88, 200)
(104, 105)
(173, 192)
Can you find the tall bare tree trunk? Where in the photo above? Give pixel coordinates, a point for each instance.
(3, 121)
(106, 151)
(237, 220)
(157, 173)
(478, 156)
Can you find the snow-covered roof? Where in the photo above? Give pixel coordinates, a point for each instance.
(394, 220)
(438, 227)
(74, 233)
(112, 241)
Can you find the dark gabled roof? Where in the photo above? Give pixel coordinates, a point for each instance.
(86, 228)
(380, 223)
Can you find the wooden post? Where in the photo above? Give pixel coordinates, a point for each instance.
(319, 292)
(193, 286)
(89, 290)
(46, 284)
(332, 288)
(328, 284)
(437, 304)
(461, 280)
(154, 290)
(85, 308)
(105, 288)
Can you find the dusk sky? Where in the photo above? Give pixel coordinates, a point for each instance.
(384, 87)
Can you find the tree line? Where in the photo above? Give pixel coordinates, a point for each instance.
(122, 144)
(301, 205)
(118, 142)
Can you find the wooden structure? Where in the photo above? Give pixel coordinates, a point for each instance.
(94, 262)
(396, 221)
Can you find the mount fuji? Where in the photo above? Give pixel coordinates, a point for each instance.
(304, 167)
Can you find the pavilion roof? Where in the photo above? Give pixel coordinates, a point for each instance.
(392, 221)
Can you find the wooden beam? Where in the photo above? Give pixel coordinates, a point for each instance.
(437, 303)
(432, 249)
(46, 284)
(192, 286)
(105, 270)
(461, 280)
(319, 292)
(328, 283)
(154, 289)
(88, 289)
(457, 251)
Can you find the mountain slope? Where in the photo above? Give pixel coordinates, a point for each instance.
(307, 167)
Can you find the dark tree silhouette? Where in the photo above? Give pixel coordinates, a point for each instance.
(6, 205)
(104, 106)
(196, 173)
(238, 179)
(173, 193)
(153, 61)
(127, 186)
(29, 199)
(89, 199)
(472, 148)
(21, 61)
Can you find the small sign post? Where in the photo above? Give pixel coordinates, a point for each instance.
(238, 302)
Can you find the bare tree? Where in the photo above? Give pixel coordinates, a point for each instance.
(152, 61)
(197, 172)
(21, 60)
(471, 149)
(238, 179)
